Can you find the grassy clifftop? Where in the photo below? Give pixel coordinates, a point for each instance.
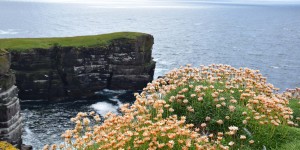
(25, 44)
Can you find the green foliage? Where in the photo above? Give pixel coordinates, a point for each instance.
(295, 105)
(290, 142)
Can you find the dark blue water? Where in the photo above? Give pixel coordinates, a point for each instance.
(259, 36)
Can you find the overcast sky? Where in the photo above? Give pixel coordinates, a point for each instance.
(145, 1)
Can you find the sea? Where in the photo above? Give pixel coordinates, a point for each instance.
(254, 34)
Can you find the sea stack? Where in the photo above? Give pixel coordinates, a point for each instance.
(10, 118)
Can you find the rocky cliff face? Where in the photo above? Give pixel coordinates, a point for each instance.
(10, 119)
(77, 73)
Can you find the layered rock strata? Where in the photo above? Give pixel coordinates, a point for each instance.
(10, 119)
(68, 72)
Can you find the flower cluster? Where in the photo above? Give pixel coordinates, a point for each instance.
(216, 97)
(135, 129)
(223, 87)
(210, 107)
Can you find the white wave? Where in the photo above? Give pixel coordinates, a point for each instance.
(104, 107)
(28, 131)
(111, 93)
(115, 91)
(30, 137)
(115, 99)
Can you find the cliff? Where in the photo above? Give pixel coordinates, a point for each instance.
(10, 119)
(77, 67)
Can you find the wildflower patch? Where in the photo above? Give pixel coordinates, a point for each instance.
(210, 107)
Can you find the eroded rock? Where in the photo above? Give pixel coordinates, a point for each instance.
(10, 118)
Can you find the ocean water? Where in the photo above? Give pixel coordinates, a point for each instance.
(259, 36)
(44, 122)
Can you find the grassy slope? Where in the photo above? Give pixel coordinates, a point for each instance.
(25, 44)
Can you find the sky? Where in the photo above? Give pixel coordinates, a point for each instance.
(159, 1)
(99, 1)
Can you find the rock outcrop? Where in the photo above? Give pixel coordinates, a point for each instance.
(66, 72)
(10, 119)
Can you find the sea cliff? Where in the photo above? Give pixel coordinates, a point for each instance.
(77, 67)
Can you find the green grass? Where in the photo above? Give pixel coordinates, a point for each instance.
(26, 44)
(294, 104)
(292, 140)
